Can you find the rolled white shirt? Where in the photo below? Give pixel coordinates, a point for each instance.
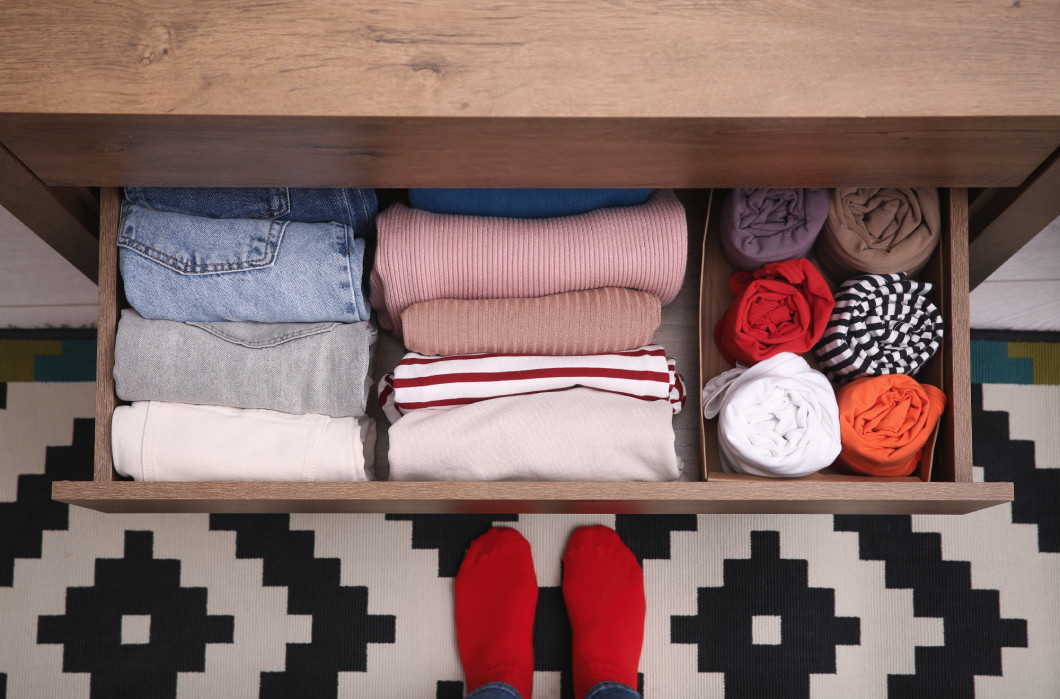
(158, 441)
(777, 418)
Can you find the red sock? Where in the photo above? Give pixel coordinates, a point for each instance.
(603, 586)
(496, 600)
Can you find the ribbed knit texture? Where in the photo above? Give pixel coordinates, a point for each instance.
(575, 322)
(424, 256)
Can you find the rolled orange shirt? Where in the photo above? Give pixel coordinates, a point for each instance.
(884, 423)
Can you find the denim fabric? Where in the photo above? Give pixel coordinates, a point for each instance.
(193, 268)
(523, 203)
(298, 368)
(354, 207)
(602, 690)
(495, 690)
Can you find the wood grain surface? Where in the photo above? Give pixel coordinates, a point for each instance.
(1011, 218)
(63, 218)
(717, 497)
(106, 329)
(254, 150)
(546, 58)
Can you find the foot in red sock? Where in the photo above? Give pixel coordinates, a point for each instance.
(496, 600)
(603, 586)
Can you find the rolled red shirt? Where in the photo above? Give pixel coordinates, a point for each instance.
(780, 307)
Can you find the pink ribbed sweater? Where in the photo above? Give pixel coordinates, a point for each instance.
(574, 322)
(423, 256)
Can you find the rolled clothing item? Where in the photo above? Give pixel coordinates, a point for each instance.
(782, 307)
(574, 322)
(158, 441)
(881, 324)
(300, 368)
(778, 418)
(575, 435)
(354, 207)
(879, 230)
(523, 203)
(885, 422)
(770, 225)
(420, 382)
(423, 256)
(193, 268)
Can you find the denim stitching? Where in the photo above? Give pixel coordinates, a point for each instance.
(184, 268)
(279, 210)
(280, 339)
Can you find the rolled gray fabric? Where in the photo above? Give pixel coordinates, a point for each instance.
(298, 368)
(770, 225)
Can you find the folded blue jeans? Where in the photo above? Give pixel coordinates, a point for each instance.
(199, 269)
(523, 203)
(354, 207)
(601, 690)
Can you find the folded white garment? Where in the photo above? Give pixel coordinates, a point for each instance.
(420, 382)
(778, 418)
(576, 435)
(157, 441)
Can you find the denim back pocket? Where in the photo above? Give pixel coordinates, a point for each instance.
(198, 245)
(261, 335)
(215, 202)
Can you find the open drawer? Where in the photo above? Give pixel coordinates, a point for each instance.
(683, 325)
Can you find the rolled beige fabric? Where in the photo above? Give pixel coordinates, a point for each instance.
(879, 230)
(572, 323)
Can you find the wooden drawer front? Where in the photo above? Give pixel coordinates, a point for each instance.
(681, 333)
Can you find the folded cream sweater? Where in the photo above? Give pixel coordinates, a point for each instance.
(575, 435)
(156, 441)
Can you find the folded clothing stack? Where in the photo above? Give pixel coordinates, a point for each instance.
(244, 361)
(530, 313)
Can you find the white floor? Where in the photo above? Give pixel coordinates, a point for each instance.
(38, 288)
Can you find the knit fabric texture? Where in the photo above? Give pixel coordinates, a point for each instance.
(879, 230)
(881, 324)
(420, 383)
(575, 435)
(423, 256)
(574, 322)
(782, 307)
(523, 203)
(885, 422)
(778, 418)
(769, 225)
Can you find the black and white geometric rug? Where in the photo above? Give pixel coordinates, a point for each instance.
(116, 606)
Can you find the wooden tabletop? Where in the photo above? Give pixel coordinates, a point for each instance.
(497, 93)
(590, 58)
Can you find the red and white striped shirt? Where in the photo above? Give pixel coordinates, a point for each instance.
(420, 381)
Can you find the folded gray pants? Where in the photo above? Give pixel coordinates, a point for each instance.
(299, 368)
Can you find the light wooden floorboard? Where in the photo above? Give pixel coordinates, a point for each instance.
(1024, 293)
(38, 288)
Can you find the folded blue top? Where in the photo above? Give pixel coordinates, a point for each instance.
(523, 203)
(354, 207)
(194, 268)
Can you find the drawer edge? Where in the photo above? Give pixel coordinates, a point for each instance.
(525, 498)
